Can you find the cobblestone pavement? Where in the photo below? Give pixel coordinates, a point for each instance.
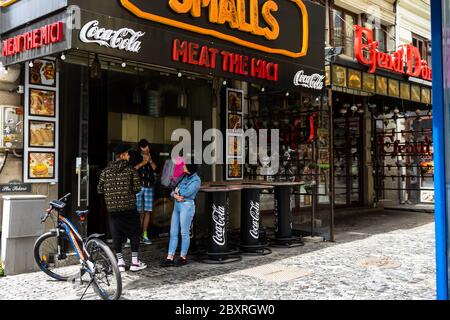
(376, 256)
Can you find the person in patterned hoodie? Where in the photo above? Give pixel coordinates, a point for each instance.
(120, 183)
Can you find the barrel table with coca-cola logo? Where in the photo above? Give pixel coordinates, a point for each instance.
(251, 220)
(219, 251)
(283, 214)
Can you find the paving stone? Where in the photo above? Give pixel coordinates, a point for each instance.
(388, 256)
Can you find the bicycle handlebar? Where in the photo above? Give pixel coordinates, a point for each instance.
(65, 198)
(49, 211)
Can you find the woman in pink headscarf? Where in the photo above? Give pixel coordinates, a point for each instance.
(184, 194)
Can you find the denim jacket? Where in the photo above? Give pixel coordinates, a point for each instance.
(189, 187)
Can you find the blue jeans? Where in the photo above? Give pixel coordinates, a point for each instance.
(182, 216)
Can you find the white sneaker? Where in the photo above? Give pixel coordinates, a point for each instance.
(138, 267)
(122, 267)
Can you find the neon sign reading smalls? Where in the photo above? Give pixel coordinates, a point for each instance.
(366, 52)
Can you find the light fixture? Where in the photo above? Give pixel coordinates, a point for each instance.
(343, 110)
(225, 82)
(63, 57)
(31, 64)
(287, 94)
(263, 89)
(96, 68)
(124, 64)
(180, 74)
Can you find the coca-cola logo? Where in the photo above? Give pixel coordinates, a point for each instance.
(123, 39)
(218, 216)
(314, 81)
(254, 213)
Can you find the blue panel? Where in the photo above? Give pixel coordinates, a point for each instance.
(440, 122)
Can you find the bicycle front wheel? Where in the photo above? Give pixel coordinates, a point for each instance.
(56, 263)
(106, 279)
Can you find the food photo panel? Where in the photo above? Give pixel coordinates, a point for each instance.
(235, 100)
(42, 103)
(43, 73)
(234, 122)
(235, 170)
(235, 146)
(41, 134)
(41, 165)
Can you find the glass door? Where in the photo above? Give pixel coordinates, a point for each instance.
(348, 160)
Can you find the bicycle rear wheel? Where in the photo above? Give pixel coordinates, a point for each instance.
(106, 280)
(58, 266)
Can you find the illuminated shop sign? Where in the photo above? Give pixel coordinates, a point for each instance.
(314, 81)
(5, 3)
(275, 27)
(367, 53)
(122, 39)
(209, 57)
(34, 39)
(389, 145)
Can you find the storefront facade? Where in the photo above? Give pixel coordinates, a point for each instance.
(383, 125)
(99, 73)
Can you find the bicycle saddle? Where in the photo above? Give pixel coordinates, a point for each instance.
(82, 214)
(58, 204)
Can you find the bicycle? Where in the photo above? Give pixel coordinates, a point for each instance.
(95, 257)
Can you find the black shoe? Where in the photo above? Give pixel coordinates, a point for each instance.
(167, 263)
(181, 262)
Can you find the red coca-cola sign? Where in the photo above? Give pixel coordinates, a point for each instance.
(34, 39)
(367, 53)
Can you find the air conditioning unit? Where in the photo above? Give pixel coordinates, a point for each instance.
(9, 74)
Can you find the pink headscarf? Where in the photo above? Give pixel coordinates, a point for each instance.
(178, 170)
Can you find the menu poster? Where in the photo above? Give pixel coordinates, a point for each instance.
(234, 122)
(394, 88)
(382, 86)
(234, 146)
(354, 79)
(43, 73)
(235, 170)
(369, 82)
(405, 91)
(339, 76)
(426, 96)
(235, 100)
(415, 93)
(42, 103)
(235, 134)
(41, 165)
(41, 134)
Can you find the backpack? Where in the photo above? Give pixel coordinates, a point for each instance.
(167, 173)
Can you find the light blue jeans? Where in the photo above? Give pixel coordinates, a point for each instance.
(182, 216)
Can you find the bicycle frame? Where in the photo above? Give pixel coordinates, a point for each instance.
(74, 237)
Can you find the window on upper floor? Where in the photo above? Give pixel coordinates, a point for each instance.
(342, 34)
(423, 45)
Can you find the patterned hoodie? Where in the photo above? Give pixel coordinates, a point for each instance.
(120, 183)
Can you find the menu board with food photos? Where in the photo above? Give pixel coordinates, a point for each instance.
(41, 122)
(43, 73)
(235, 134)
